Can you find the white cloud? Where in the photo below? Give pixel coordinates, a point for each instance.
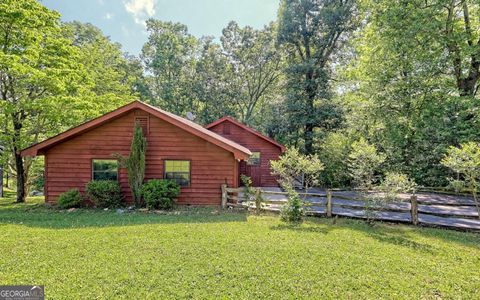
(108, 16)
(140, 9)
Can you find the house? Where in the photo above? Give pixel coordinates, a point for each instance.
(263, 148)
(199, 159)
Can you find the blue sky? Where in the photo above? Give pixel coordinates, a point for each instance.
(123, 20)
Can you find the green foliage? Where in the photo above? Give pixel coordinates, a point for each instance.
(255, 66)
(169, 56)
(160, 193)
(39, 75)
(407, 91)
(70, 198)
(114, 76)
(237, 77)
(247, 182)
(293, 211)
(252, 194)
(334, 151)
(399, 183)
(104, 193)
(135, 164)
(200, 243)
(293, 166)
(465, 160)
(395, 184)
(311, 31)
(363, 162)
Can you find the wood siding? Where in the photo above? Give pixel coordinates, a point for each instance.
(69, 164)
(254, 143)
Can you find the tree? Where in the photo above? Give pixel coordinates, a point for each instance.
(135, 164)
(364, 161)
(254, 66)
(402, 86)
(313, 32)
(334, 151)
(114, 75)
(169, 59)
(39, 75)
(211, 83)
(291, 166)
(465, 160)
(461, 36)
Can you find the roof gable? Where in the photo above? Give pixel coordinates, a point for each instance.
(239, 151)
(246, 128)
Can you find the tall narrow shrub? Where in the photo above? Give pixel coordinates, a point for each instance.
(135, 164)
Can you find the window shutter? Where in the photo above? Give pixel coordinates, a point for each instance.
(142, 121)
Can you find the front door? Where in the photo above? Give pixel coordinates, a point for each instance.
(252, 168)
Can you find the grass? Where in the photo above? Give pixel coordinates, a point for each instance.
(204, 253)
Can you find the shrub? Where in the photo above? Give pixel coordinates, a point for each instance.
(465, 161)
(252, 194)
(69, 199)
(293, 165)
(364, 161)
(293, 211)
(104, 193)
(135, 164)
(396, 183)
(160, 193)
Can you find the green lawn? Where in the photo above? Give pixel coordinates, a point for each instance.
(204, 253)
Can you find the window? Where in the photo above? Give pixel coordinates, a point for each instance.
(178, 170)
(254, 159)
(104, 169)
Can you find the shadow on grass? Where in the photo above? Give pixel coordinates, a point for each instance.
(387, 233)
(34, 213)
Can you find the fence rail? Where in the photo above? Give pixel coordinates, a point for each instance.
(329, 204)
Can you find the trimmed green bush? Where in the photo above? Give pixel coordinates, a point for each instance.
(160, 193)
(104, 193)
(69, 199)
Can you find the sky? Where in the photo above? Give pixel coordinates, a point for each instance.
(124, 20)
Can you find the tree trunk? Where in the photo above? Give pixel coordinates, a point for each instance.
(1, 181)
(308, 137)
(17, 120)
(20, 177)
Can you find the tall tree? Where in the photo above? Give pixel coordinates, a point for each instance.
(211, 83)
(462, 39)
(169, 60)
(313, 32)
(113, 74)
(255, 65)
(38, 75)
(405, 93)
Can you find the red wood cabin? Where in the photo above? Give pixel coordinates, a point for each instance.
(263, 148)
(199, 159)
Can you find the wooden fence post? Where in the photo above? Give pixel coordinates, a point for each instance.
(328, 210)
(224, 195)
(414, 209)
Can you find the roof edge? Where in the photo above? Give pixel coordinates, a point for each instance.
(249, 129)
(238, 150)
